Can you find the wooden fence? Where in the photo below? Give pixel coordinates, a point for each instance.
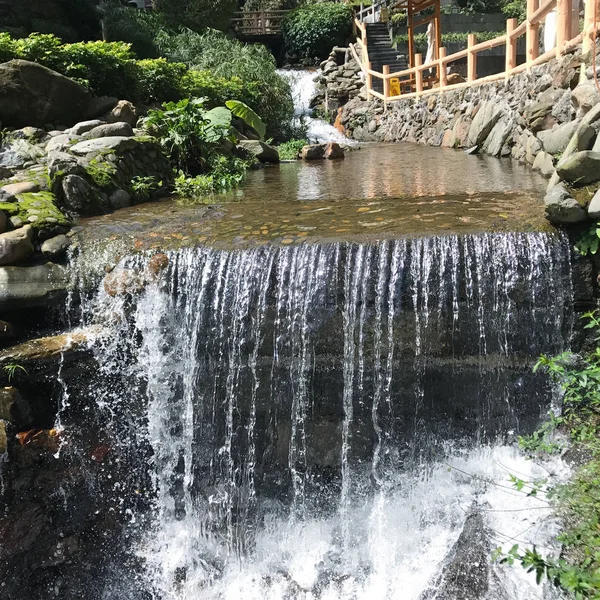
(414, 82)
(258, 23)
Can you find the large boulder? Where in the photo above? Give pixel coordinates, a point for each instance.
(16, 246)
(555, 141)
(562, 208)
(488, 114)
(80, 199)
(31, 94)
(585, 96)
(109, 130)
(263, 152)
(581, 168)
(123, 112)
(40, 285)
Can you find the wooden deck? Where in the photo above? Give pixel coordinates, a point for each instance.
(258, 24)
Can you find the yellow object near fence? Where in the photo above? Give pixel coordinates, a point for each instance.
(394, 86)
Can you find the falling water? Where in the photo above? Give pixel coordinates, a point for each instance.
(323, 417)
(303, 89)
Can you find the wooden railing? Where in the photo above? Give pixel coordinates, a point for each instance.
(258, 23)
(414, 79)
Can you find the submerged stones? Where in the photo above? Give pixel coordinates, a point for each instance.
(37, 285)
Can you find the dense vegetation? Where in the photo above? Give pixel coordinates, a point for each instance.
(310, 31)
(111, 68)
(577, 570)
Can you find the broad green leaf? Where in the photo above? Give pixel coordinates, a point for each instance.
(244, 112)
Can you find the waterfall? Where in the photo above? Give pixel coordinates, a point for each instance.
(322, 418)
(303, 89)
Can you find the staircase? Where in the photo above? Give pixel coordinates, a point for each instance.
(381, 52)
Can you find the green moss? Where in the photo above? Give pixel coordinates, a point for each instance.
(101, 172)
(40, 204)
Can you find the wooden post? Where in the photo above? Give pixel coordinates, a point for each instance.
(442, 68)
(563, 24)
(411, 35)
(532, 34)
(386, 82)
(419, 74)
(471, 58)
(588, 24)
(369, 80)
(511, 46)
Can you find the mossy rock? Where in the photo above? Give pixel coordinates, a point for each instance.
(37, 209)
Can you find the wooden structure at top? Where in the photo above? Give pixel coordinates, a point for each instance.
(259, 24)
(417, 17)
(567, 39)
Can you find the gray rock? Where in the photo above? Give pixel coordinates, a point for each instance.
(33, 95)
(56, 247)
(84, 126)
(39, 285)
(109, 130)
(119, 199)
(585, 96)
(581, 168)
(59, 143)
(584, 134)
(594, 206)
(80, 199)
(544, 164)
(313, 152)
(263, 152)
(465, 573)
(536, 115)
(117, 144)
(498, 136)
(16, 245)
(63, 163)
(22, 187)
(123, 112)
(99, 106)
(485, 119)
(562, 208)
(555, 141)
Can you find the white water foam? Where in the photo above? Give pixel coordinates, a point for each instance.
(303, 89)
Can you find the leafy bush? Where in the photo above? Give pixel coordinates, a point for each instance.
(196, 14)
(251, 66)
(517, 9)
(291, 149)
(136, 27)
(312, 30)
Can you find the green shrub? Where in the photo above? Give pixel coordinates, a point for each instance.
(251, 66)
(196, 14)
(517, 9)
(291, 149)
(310, 32)
(136, 27)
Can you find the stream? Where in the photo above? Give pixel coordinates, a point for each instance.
(312, 389)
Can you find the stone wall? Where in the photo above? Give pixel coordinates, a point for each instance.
(544, 117)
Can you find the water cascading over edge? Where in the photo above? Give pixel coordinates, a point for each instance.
(303, 404)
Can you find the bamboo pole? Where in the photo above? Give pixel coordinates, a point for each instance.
(442, 69)
(588, 27)
(532, 33)
(419, 74)
(369, 80)
(471, 58)
(386, 81)
(411, 35)
(511, 46)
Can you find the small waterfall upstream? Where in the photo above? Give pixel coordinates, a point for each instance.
(303, 89)
(322, 419)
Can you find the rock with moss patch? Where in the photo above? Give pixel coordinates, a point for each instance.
(109, 130)
(39, 210)
(581, 168)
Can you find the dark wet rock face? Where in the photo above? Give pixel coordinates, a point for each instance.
(31, 94)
